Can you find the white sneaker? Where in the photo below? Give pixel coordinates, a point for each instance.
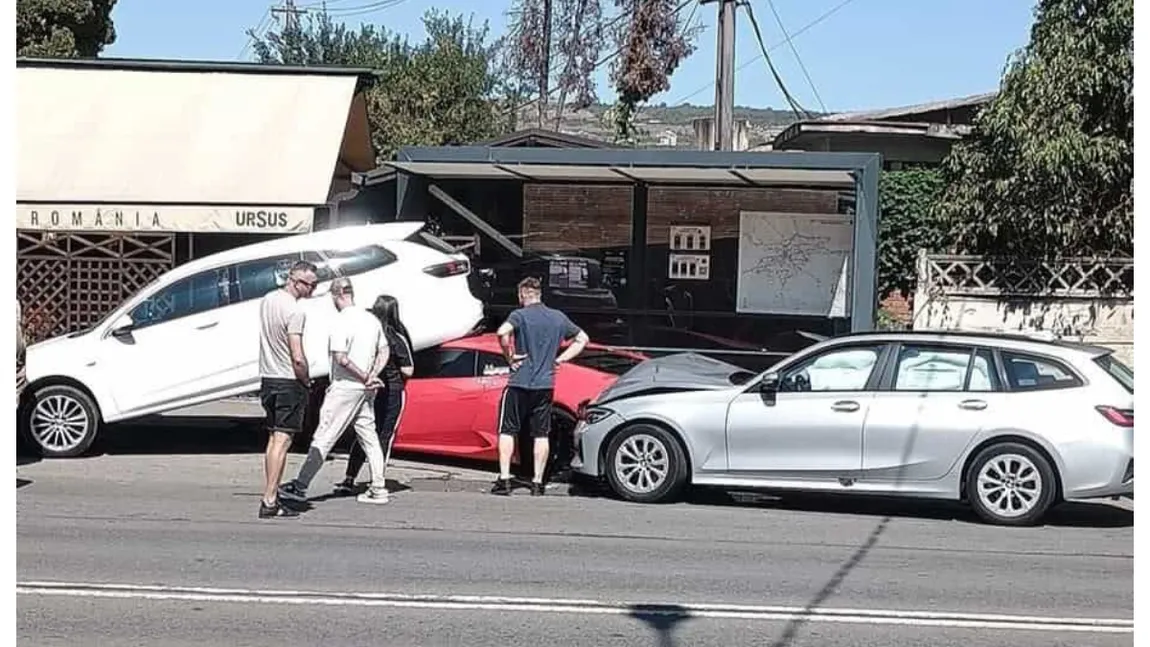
(373, 495)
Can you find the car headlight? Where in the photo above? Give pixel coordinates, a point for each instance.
(592, 415)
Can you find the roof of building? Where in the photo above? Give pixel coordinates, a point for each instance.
(906, 113)
(163, 65)
(540, 137)
(906, 121)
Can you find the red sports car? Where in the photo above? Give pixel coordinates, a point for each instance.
(453, 398)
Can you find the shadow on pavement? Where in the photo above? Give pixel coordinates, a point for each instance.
(662, 618)
(22, 482)
(1074, 514)
(23, 457)
(182, 435)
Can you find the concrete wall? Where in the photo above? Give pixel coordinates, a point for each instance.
(1105, 320)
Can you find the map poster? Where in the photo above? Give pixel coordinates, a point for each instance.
(794, 263)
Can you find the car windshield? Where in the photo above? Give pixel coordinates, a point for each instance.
(1121, 373)
(606, 361)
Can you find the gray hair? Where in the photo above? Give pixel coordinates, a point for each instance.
(341, 285)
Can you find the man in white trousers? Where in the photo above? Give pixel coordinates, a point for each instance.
(359, 351)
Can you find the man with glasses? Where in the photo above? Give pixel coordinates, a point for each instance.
(284, 378)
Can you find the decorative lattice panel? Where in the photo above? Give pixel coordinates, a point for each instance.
(69, 281)
(1065, 277)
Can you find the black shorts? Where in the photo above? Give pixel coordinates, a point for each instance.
(285, 402)
(525, 405)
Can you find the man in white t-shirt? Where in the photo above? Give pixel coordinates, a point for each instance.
(359, 351)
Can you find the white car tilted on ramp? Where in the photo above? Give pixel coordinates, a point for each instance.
(192, 336)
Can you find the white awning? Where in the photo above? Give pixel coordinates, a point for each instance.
(192, 150)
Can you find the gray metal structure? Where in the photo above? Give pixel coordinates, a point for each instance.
(416, 170)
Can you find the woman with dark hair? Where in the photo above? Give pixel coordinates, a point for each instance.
(389, 398)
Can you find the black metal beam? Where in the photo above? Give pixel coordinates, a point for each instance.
(638, 157)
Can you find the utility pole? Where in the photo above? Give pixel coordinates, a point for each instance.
(291, 14)
(545, 68)
(725, 76)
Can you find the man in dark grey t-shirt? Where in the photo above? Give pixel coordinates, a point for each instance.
(538, 332)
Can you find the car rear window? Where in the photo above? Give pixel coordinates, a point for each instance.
(606, 361)
(1121, 373)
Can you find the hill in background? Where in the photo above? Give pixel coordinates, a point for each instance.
(663, 125)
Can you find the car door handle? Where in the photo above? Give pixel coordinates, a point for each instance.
(208, 325)
(973, 405)
(845, 405)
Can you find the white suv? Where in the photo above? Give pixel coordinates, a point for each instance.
(192, 336)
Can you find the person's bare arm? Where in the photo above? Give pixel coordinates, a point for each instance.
(505, 344)
(576, 347)
(382, 354)
(295, 347)
(343, 360)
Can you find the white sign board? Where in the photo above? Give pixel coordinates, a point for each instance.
(164, 218)
(691, 267)
(794, 263)
(690, 238)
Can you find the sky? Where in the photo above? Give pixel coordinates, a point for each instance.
(859, 54)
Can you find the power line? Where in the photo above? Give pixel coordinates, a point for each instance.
(795, 51)
(346, 12)
(816, 21)
(794, 103)
(260, 26)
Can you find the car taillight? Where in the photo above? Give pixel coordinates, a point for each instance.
(1116, 416)
(454, 267)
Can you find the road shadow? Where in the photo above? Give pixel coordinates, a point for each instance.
(662, 619)
(393, 487)
(1072, 514)
(22, 482)
(182, 435)
(25, 457)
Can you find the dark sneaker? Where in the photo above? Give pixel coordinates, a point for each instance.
(345, 487)
(276, 510)
(293, 492)
(538, 489)
(502, 487)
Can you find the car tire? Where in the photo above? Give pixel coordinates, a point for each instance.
(60, 421)
(635, 479)
(1011, 484)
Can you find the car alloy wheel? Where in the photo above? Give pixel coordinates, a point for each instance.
(1011, 484)
(642, 463)
(62, 421)
(645, 463)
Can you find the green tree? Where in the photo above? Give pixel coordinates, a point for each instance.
(438, 92)
(907, 224)
(1049, 167)
(63, 28)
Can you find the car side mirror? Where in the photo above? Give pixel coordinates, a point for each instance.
(122, 327)
(769, 383)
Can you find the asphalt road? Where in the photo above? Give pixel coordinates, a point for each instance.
(140, 547)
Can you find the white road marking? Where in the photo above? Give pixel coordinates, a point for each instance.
(578, 606)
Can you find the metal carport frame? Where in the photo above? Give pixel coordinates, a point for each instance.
(416, 167)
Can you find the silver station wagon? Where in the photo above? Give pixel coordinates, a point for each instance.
(1009, 424)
